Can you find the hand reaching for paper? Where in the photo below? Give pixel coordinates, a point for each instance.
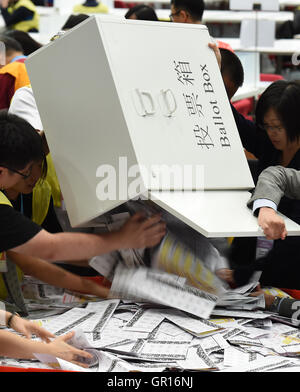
(272, 224)
(61, 349)
(29, 328)
(142, 232)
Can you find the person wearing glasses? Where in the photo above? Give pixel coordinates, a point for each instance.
(20, 147)
(191, 11)
(187, 11)
(20, 15)
(273, 140)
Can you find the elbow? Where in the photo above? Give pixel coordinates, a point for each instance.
(50, 249)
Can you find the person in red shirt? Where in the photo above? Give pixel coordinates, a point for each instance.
(13, 74)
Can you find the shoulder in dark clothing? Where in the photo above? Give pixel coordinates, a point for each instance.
(15, 229)
(19, 15)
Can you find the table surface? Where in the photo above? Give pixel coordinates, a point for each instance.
(281, 46)
(216, 16)
(282, 3)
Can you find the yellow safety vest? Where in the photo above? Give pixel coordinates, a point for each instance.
(3, 292)
(26, 25)
(41, 196)
(42, 193)
(81, 9)
(52, 180)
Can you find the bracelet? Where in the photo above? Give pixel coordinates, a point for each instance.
(10, 318)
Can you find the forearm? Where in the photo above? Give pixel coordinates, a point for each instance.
(69, 246)
(275, 182)
(14, 346)
(56, 276)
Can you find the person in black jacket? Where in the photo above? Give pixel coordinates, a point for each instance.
(274, 140)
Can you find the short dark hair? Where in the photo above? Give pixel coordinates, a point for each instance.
(11, 44)
(194, 7)
(20, 143)
(29, 45)
(74, 20)
(231, 66)
(283, 97)
(142, 12)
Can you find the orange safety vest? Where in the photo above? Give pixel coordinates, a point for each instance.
(18, 71)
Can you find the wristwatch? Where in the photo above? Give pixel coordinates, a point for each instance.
(11, 317)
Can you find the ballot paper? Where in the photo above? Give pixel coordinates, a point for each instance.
(196, 327)
(234, 357)
(240, 313)
(164, 350)
(197, 359)
(129, 335)
(145, 320)
(158, 287)
(174, 257)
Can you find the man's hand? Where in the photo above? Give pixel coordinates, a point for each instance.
(269, 299)
(226, 274)
(272, 224)
(142, 232)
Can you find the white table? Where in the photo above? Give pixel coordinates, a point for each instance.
(249, 91)
(282, 3)
(212, 16)
(281, 46)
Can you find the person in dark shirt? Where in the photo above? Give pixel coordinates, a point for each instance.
(20, 15)
(29, 45)
(274, 140)
(141, 12)
(20, 147)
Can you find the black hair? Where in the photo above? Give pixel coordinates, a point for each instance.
(74, 20)
(11, 44)
(284, 98)
(142, 12)
(194, 7)
(232, 67)
(20, 143)
(29, 45)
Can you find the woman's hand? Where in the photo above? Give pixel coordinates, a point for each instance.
(61, 349)
(29, 328)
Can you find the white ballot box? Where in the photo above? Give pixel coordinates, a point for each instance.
(135, 107)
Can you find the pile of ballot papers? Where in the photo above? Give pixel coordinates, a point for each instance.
(155, 322)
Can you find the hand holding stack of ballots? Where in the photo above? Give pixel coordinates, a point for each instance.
(177, 315)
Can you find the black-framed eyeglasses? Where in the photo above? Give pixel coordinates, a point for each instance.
(171, 16)
(25, 176)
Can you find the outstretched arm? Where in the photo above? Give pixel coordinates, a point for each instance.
(273, 183)
(56, 276)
